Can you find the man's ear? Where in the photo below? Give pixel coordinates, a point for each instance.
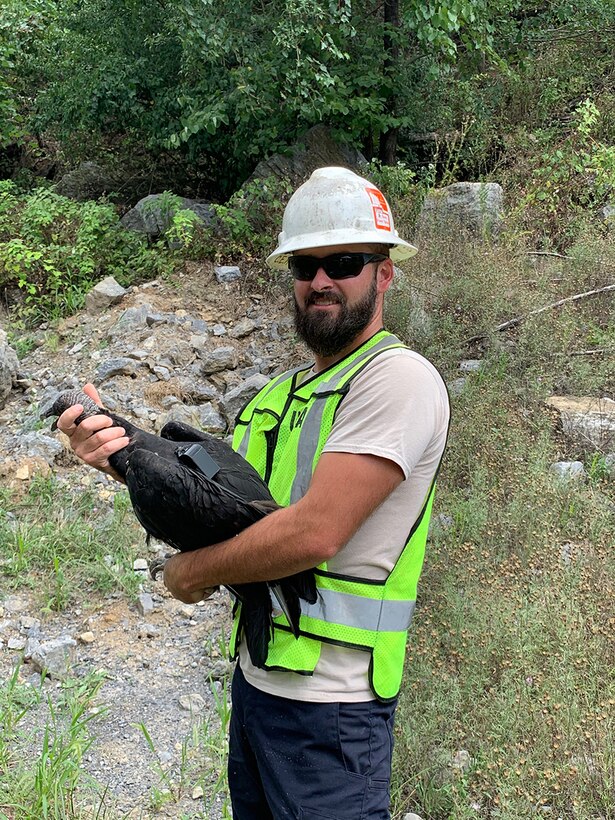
(384, 275)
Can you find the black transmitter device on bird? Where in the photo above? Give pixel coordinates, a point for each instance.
(197, 456)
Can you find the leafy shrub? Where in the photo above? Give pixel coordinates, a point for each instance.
(247, 225)
(55, 249)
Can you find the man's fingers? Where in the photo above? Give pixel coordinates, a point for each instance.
(66, 422)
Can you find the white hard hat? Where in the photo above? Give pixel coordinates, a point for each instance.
(337, 207)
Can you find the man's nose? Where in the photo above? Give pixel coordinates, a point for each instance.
(321, 281)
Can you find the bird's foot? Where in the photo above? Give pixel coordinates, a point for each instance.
(157, 566)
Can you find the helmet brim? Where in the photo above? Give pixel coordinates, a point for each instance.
(400, 250)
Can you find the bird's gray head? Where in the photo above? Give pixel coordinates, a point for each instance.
(68, 399)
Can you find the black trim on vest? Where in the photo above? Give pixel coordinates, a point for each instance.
(355, 579)
(370, 675)
(271, 436)
(335, 364)
(256, 412)
(333, 642)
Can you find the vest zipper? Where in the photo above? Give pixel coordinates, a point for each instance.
(271, 436)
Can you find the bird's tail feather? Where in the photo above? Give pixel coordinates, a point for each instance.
(256, 622)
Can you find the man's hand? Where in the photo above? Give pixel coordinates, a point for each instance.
(176, 579)
(95, 439)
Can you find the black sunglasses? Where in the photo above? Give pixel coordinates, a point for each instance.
(336, 266)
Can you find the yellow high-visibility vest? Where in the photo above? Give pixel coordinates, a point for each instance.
(282, 432)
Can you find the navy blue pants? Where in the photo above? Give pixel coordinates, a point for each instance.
(308, 761)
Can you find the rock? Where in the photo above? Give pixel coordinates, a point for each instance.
(203, 417)
(14, 604)
(122, 366)
(235, 399)
(568, 470)
(86, 637)
(607, 214)
(140, 565)
(193, 703)
(456, 387)
(471, 207)
(314, 149)
(197, 792)
(210, 420)
(9, 365)
(243, 328)
(227, 273)
(87, 181)
(16, 644)
(153, 215)
(198, 392)
(132, 319)
(461, 761)
(609, 464)
(220, 670)
(471, 366)
(218, 330)
(105, 293)
(36, 446)
(412, 816)
(163, 374)
(218, 359)
(145, 603)
(588, 420)
(55, 657)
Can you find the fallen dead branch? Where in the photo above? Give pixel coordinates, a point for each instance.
(518, 319)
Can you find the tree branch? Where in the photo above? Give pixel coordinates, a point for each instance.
(517, 320)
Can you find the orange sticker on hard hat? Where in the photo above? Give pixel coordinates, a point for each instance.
(382, 216)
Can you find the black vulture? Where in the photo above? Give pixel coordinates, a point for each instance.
(192, 490)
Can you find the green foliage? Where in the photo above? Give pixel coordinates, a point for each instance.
(21, 26)
(570, 179)
(245, 226)
(55, 249)
(234, 84)
(47, 789)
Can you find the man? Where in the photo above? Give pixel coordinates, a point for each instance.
(350, 447)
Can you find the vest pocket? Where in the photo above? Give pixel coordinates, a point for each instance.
(293, 654)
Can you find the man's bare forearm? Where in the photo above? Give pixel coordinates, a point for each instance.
(278, 545)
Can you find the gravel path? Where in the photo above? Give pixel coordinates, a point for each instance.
(156, 723)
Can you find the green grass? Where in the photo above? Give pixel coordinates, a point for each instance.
(512, 650)
(50, 785)
(61, 544)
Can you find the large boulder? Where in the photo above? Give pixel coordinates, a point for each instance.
(315, 149)
(87, 181)
(475, 208)
(153, 215)
(587, 420)
(9, 364)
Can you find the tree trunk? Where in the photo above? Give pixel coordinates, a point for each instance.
(388, 138)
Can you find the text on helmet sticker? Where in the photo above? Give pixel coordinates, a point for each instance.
(382, 216)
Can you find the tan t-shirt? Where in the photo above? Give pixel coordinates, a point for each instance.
(396, 408)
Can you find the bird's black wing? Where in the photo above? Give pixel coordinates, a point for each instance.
(235, 472)
(178, 431)
(181, 506)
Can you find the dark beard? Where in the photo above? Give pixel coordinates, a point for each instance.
(327, 335)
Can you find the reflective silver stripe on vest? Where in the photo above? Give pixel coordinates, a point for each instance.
(362, 613)
(310, 429)
(245, 441)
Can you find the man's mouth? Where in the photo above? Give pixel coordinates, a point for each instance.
(321, 299)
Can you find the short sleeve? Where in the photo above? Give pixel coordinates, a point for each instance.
(396, 408)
